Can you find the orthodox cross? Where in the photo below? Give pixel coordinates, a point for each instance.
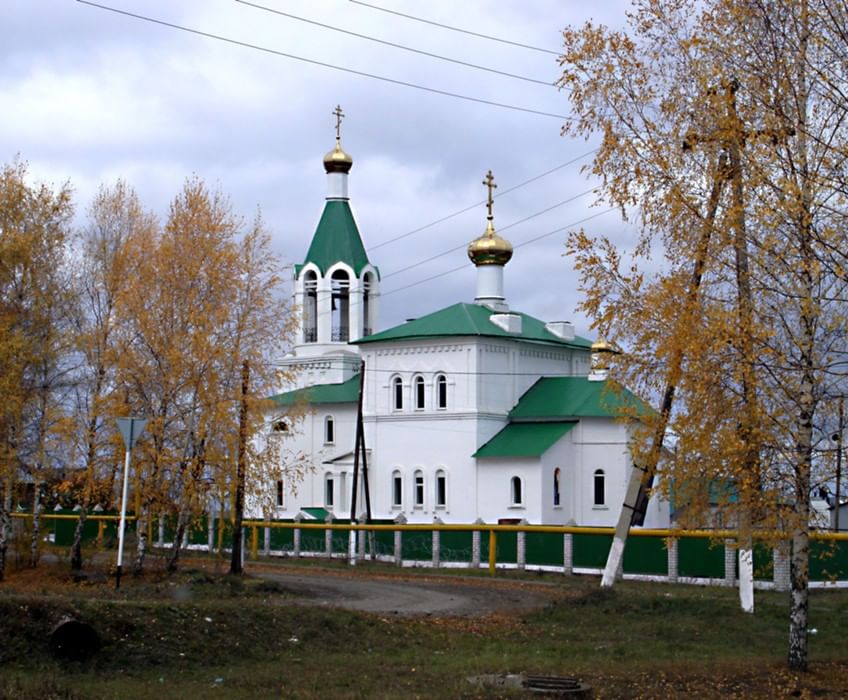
(339, 116)
(490, 183)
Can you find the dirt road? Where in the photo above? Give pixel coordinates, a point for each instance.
(406, 595)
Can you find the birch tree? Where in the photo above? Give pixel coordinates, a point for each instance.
(34, 223)
(115, 218)
(756, 350)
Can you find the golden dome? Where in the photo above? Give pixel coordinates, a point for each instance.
(337, 161)
(602, 345)
(490, 248)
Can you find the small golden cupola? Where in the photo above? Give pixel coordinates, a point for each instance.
(337, 161)
(602, 353)
(490, 253)
(490, 248)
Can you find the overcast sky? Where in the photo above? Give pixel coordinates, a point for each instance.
(89, 95)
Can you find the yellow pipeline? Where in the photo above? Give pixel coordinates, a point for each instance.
(556, 529)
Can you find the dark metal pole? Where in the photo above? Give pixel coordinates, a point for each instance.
(839, 460)
(357, 443)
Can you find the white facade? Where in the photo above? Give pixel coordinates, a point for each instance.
(436, 391)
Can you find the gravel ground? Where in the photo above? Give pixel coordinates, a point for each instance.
(431, 595)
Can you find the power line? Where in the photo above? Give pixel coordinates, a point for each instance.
(456, 29)
(520, 245)
(503, 228)
(483, 201)
(323, 64)
(397, 46)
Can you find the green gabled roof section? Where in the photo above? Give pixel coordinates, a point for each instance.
(556, 398)
(346, 392)
(336, 239)
(524, 439)
(470, 320)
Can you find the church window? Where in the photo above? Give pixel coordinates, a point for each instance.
(418, 383)
(280, 426)
(367, 311)
(280, 494)
(441, 391)
(599, 487)
(397, 489)
(517, 491)
(556, 487)
(310, 307)
(329, 490)
(397, 394)
(419, 489)
(329, 430)
(340, 306)
(441, 489)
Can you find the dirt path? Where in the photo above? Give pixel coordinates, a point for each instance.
(431, 595)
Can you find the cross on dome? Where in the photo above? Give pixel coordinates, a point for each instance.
(339, 116)
(490, 183)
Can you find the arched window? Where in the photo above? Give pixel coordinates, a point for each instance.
(441, 489)
(556, 487)
(517, 491)
(329, 490)
(397, 489)
(329, 430)
(599, 487)
(397, 394)
(280, 426)
(418, 493)
(310, 307)
(367, 311)
(280, 494)
(340, 295)
(441, 391)
(418, 389)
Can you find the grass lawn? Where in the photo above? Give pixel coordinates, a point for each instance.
(200, 634)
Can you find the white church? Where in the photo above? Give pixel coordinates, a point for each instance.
(476, 410)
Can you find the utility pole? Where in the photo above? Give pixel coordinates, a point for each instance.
(641, 478)
(359, 453)
(839, 439)
(236, 562)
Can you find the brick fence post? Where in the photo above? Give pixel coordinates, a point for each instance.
(400, 520)
(437, 543)
(521, 547)
(475, 545)
(296, 536)
(567, 554)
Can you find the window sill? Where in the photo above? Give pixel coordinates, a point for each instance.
(557, 507)
(517, 506)
(600, 507)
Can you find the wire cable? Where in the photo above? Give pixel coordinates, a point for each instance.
(520, 245)
(502, 228)
(314, 62)
(483, 201)
(402, 47)
(456, 29)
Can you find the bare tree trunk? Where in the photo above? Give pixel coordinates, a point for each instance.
(799, 573)
(141, 534)
(34, 552)
(76, 545)
(182, 524)
(5, 523)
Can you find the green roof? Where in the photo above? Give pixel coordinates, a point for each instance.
(346, 392)
(555, 398)
(316, 513)
(470, 320)
(336, 239)
(524, 439)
